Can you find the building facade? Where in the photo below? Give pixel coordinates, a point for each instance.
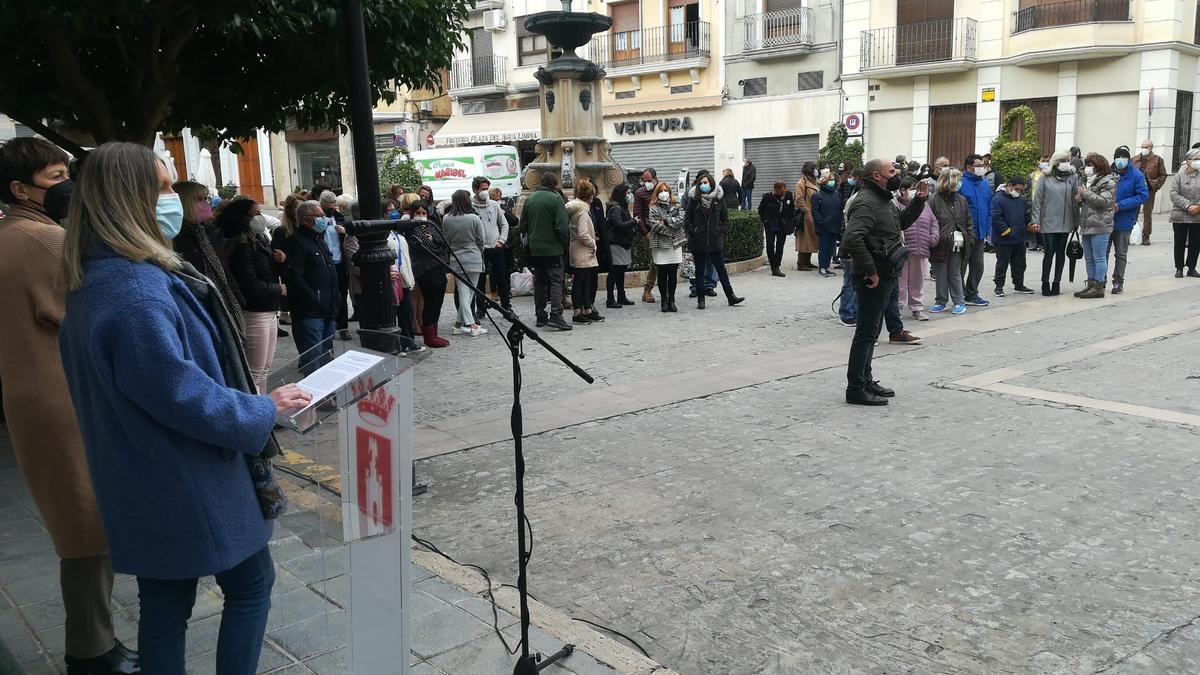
(935, 77)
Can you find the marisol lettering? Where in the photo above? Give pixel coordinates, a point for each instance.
(648, 126)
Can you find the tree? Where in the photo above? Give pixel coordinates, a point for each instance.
(1016, 156)
(126, 69)
(398, 168)
(836, 150)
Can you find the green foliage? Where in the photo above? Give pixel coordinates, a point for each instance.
(124, 69)
(1016, 156)
(398, 168)
(836, 150)
(228, 191)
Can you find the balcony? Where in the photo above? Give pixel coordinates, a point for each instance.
(782, 32)
(681, 46)
(941, 45)
(479, 76)
(1069, 13)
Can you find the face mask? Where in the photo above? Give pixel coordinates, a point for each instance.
(851, 182)
(482, 195)
(1044, 166)
(910, 195)
(830, 184)
(958, 186)
(321, 224)
(981, 171)
(258, 224)
(169, 213)
(664, 196)
(628, 199)
(393, 215)
(816, 174)
(1144, 151)
(1089, 171)
(705, 188)
(1014, 193)
(1120, 163)
(58, 198)
(1195, 164)
(203, 211)
(893, 183)
(1064, 166)
(649, 186)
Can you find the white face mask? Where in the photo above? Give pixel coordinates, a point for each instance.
(1144, 151)
(1089, 171)
(1014, 193)
(258, 224)
(1195, 164)
(482, 195)
(649, 186)
(1064, 166)
(664, 196)
(981, 171)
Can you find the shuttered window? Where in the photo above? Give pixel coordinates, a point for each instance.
(811, 80)
(755, 86)
(780, 158)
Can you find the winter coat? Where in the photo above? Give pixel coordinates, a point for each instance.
(175, 493)
(1099, 204)
(749, 175)
(641, 208)
(495, 225)
(733, 192)
(1132, 192)
(428, 247)
(603, 254)
(1010, 218)
(873, 226)
(253, 270)
(467, 241)
(666, 226)
(777, 213)
(311, 279)
(953, 214)
(846, 190)
(706, 226)
(41, 421)
(1153, 168)
(806, 240)
(544, 219)
(1054, 207)
(1185, 191)
(979, 197)
(923, 234)
(583, 234)
(622, 227)
(827, 212)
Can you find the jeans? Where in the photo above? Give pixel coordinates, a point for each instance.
(709, 278)
(1056, 254)
(166, 605)
(827, 248)
(912, 283)
(1095, 258)
(309, 334)
(464, 300)
(547, 284)
(871, 306)
(1119, 242)
(343, 305)
(891, 311)
(495, 261)
(714, 260)
(948, 279)
(404, 312)
(848, 307)
(1010, 255)
(972, 270)
(747, 199)
(1187, 238)
(775, 242)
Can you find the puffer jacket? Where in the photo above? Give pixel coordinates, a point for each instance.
(827, 212)
(1185, 191)
(706, 227)
(923, 234)
(583, 234)
(1010, 218)
(1099, 205)
(953, 214)
(1132, 192)
(873, 227)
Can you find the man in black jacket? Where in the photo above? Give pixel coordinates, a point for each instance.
(749, 175)
(873, 225)
(312, 283)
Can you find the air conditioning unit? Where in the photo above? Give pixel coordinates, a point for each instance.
(493, 19)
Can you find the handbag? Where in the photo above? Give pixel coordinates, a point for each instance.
(1074, 252)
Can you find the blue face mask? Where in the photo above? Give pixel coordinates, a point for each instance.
(393, 215)
(169, 213)
(1121, 163)
(321, 224)
(851, 182)
(705, 188)
(830, 184)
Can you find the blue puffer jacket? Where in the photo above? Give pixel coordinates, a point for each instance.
(1132, 192)
(1010, 218)
(165, 438)
(979, 197)
(827, 211)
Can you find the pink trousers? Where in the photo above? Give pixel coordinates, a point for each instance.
(912, 281)
(261, 335)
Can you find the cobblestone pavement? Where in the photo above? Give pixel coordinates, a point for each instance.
(1026, 503)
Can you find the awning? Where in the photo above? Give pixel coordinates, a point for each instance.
(498, 127)
(646, 107)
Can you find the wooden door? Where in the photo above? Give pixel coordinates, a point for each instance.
(924, 31)
(952, 132)
(249, 172)
(1045, 113)
(174, 145)
(626, 45)
(483, 70)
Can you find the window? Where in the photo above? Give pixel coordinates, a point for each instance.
(533, 48)
(814, 79)
(626, 94)
(682, 89)
(1183, 125)
(756, 86)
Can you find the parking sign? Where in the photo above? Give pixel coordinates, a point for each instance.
(854, 124)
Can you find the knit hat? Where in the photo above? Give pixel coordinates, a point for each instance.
(1121, 151)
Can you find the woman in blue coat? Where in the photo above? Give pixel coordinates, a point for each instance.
(170, 428)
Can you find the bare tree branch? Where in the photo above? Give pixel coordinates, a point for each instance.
(49, 134)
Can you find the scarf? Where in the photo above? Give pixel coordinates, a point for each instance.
(236, 371)
(216, 271)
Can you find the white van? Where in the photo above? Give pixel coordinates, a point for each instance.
(450, 169)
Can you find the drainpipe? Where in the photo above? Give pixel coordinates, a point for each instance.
(839, 22)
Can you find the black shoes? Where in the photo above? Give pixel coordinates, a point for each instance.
(711, 292)
(581, 318)
(612, 304)
(671, 306)
(625, 301)
(1179, 273)
(120, 660)
(1193, 273)
(776, 272)
(692, 294)
(700, 302)
(1046, 288)
(665, 305)
(279, 332)
(732, 299)
(1023, 289)
(543, 321)
(864, 397)
(879, 390)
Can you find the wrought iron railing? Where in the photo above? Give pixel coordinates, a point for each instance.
(483, 71)
(784, 28)
(651, 45)
(926, 42)
(1069, 13)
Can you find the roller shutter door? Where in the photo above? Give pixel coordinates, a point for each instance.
(666, 157)
(779, 159)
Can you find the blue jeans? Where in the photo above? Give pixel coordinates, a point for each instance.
(308, 334)
(848, 308)
(747, 199)
(166, 605)
(1095, 256)
(714, 262)
(709, 276)
(826, 250)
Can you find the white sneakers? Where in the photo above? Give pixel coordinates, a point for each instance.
(467, 330)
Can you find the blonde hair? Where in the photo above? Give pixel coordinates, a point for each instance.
(947, 180)
(114, 204)
(190, 193)
(409, 199)
(585, 187)
(287, 217)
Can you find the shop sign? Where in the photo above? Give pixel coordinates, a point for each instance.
(665, 124)
(988, 95)
(491, 137)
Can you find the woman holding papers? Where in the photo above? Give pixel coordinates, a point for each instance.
(173, 433)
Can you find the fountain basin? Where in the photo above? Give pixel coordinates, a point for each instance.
(568, 30)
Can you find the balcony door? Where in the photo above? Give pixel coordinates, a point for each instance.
(683, 22)
(483, 69)
(782, 26)
(626, 33)
(924, 31)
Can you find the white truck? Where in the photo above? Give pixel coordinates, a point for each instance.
(450, 169)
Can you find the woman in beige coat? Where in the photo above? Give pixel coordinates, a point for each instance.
(34, 183)
(585, 266)
(807, 242)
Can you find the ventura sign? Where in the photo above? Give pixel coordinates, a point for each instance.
(666, 124)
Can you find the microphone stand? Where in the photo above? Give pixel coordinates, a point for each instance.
(527, 664)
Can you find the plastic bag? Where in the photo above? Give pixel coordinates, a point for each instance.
(521, 283)
(687, 269)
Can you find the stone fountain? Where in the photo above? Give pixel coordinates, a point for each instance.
(572, 143)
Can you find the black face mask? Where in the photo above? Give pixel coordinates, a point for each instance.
(57, 199)
(893, 183)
